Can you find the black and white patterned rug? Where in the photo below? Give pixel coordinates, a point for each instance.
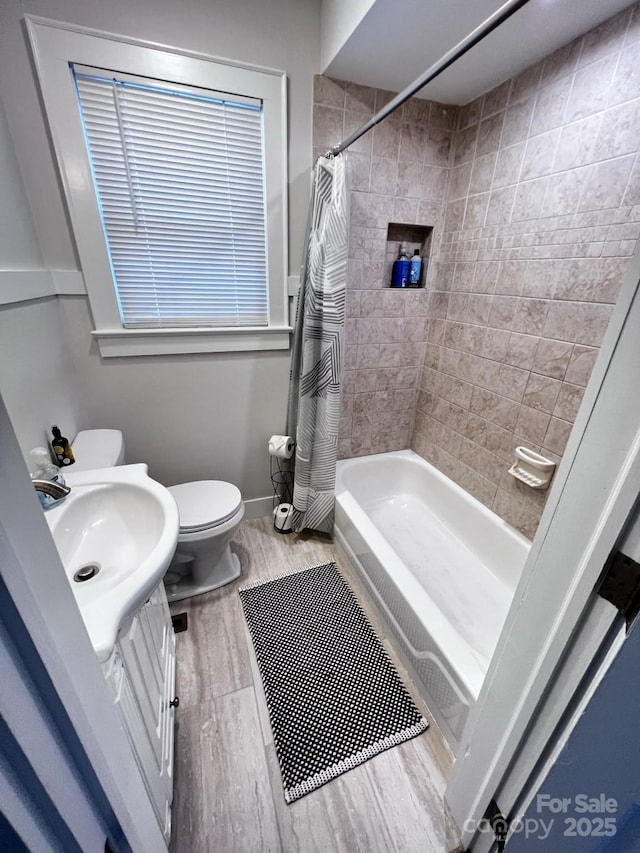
(334, 697)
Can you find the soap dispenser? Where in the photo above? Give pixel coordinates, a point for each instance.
(44, 469)
(61, 448)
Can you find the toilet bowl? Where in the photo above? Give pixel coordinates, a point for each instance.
(210, 513)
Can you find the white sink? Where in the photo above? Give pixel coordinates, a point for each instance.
(123, 523)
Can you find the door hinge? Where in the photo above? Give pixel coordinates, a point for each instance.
(620, 585)
(499, 824)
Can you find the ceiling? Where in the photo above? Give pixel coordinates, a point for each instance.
(397, 40)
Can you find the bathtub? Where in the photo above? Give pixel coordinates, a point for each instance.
(441, 567)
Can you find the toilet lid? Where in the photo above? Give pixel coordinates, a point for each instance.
(97, 448)
(205, 503)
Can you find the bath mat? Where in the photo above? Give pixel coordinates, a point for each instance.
(334, 697)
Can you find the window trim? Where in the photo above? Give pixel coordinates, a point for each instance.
(55, 45)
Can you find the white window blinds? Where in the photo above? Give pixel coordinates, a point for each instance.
(180, 181)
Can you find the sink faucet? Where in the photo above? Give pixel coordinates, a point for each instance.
(54, 490)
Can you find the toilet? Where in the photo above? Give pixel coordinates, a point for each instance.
(210, 513)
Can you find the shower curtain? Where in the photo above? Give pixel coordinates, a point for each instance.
(313, 410)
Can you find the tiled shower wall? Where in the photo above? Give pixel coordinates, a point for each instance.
(399, 173)
(535, 199)
(543, 212)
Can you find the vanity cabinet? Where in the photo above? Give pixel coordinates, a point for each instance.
(141, 672)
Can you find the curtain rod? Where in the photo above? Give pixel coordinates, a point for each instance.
(486, 27)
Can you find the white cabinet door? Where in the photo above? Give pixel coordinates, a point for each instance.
(141, 672)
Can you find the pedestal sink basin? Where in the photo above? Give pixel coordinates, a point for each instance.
(116, 533)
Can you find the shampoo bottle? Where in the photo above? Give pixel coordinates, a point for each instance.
(400, 271)
(415, 269)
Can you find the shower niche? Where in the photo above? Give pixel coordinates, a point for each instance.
(412, 237)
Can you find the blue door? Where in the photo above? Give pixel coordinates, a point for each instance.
(590, 800)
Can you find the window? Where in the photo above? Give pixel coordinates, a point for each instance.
(180, 181)
(174, 172)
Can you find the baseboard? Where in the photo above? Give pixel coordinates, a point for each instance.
(258, 507)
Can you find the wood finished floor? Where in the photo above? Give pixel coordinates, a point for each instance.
(228, 790)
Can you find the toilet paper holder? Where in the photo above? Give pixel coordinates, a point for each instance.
(281, 450)
(281, 446)
(532, 469)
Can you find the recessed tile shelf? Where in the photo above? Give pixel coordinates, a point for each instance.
(413, 237)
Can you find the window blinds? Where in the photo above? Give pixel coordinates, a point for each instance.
(180, 181)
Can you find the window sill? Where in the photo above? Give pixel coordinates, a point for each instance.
(114, 343)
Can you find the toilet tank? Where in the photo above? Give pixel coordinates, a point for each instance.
(98, 448)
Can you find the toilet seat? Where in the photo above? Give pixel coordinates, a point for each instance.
(205, 504)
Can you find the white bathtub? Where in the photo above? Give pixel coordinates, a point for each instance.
(442, 567)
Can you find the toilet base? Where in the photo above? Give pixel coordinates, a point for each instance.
(227, 569)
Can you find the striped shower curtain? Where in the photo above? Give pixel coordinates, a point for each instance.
(316, 362)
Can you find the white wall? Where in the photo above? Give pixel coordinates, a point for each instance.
(191, 417)
(19, 248)
(339, 19)
(37, 376)
(38, 379)
(186, 415)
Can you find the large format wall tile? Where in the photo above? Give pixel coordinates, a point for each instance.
(534, 192)
(399, 173)
(526, 283)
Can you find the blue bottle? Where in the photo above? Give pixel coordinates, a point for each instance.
(415, 269)
(400, 271)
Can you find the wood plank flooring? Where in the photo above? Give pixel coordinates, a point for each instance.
(228, 789)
